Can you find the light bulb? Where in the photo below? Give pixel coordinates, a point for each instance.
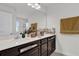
(33, 6)
(38, 7)
(36, 4)
(29, 4)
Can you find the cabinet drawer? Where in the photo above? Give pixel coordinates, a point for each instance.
(31, 52)
(30, 49)
(29, 44)
(44, 41)
(10, 52)
(27, 48)
(51, 38)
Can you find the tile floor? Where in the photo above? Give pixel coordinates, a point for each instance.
(57, 54)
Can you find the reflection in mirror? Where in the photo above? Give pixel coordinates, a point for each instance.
(19, 20)
(17, 25)
(21, 24)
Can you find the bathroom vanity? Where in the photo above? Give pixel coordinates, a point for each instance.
(37, 46)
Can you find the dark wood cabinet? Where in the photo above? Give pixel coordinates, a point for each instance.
(51, 45)
(41, 47)
(10, 52)
(44, 47)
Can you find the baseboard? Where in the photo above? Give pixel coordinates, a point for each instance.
(64, 54)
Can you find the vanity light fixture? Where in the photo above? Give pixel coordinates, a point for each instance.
(34, 5)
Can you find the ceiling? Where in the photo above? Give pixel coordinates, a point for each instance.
(23, 8)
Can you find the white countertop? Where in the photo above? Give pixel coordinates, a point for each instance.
(8, 43)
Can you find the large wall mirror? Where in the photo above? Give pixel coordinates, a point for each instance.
(12, 22)
(36, 16)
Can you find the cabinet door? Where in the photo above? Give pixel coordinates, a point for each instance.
(51, 46)
(44, 49)
(31, 52)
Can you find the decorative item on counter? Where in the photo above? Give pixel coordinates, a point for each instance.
(49, 30)
(28, 32)
(40, 32)
(46, 30)
(23, 35)
(34, 27)
(32, 31)
(33, 34)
